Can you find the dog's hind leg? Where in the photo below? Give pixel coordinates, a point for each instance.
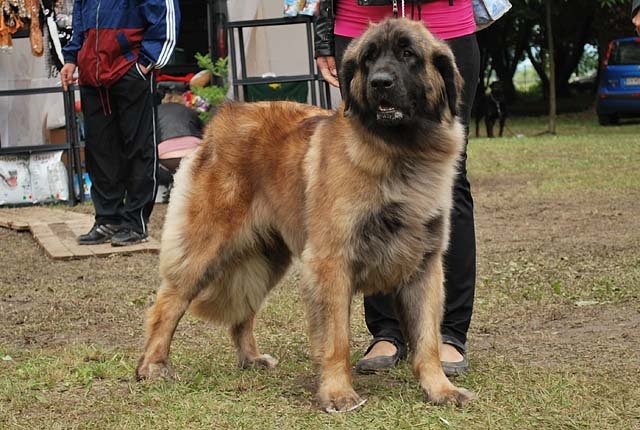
(245, 342)
(185, 271)
(420, 306)
(267, 268)
(489, 124)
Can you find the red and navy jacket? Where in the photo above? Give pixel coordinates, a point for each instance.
(109, 36)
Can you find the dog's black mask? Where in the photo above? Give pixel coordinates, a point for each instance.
(393, 86)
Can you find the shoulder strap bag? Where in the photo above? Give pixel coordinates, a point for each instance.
(486, 12)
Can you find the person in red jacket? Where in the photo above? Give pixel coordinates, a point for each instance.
(115, 45)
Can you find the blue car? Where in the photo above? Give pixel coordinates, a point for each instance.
(619, 88)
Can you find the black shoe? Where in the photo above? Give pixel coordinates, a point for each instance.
(381, 363)
(456, 368)
(99, 233)
(126, 237)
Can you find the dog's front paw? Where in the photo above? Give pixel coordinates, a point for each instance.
(153, 371)
(264, 360)
(342, 401)
(449, 396)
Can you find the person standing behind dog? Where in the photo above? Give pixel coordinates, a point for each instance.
(338, 22)
(116, 44)
(635, 15)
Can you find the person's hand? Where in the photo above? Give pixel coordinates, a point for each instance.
(327, 67)
(636, 21)
(66, 75)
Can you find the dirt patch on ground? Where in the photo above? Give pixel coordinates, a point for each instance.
(576, 263)
(558, 283)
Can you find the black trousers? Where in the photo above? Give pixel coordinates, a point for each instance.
(120, 149)
(460, 260)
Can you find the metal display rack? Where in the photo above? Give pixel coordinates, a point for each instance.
(72, 145)
(312, 78)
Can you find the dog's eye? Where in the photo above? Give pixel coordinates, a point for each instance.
(406, 53)
(370, 55)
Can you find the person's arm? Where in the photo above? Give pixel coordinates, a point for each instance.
(159, 39)
(325, 43)
(71, 49)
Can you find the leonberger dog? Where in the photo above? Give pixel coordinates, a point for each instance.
(361, 196)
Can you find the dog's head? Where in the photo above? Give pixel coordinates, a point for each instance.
(497, 91)
(397, 74)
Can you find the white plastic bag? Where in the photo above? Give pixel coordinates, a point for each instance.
(49, 180)
(486, 12)
(15, 180)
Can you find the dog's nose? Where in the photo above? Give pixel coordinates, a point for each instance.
(381, 80)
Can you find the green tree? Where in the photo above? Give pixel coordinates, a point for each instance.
(524, 32)
(504, 44)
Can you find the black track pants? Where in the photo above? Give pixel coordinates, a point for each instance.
(121, 154)
(460, 260)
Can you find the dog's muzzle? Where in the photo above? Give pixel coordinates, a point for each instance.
(389, 114)
(383, 90)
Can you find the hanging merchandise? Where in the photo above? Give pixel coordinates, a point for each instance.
(59, 21)
(58, 26)
(292, 7)
(35, 32)
(300, 7)
(310, 7)
(21, 14)
(10, 23)
(54, 40)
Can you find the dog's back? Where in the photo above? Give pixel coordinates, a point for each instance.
(245, 177)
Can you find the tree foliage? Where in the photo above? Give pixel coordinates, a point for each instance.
(522, 33)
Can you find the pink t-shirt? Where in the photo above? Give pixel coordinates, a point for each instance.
(445, 21)
(177, 147)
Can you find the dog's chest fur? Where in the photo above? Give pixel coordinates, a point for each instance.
(389, 240)
(380, 212)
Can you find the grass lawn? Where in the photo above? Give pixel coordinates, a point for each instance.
(554, 344)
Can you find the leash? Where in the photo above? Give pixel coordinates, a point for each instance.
(395, 8)
(497, 103)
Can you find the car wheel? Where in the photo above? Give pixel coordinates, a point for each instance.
(607, 119)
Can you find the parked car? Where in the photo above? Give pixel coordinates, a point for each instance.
(619, 88)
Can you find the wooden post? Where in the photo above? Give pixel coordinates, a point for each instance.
(552, 74)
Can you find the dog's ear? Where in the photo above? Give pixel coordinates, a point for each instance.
(452, 80)
(347, 72)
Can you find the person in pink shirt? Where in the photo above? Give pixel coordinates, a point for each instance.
(338, 22)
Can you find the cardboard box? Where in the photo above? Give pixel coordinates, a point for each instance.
(57, 136)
